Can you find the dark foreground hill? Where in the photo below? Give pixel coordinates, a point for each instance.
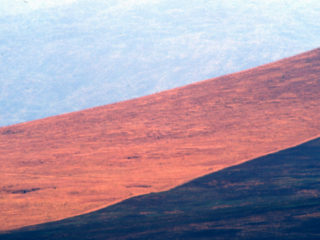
(272, 197)
(72, 164)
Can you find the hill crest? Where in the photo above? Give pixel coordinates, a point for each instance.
(66, 165)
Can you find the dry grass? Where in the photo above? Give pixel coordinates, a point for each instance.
(74, 163)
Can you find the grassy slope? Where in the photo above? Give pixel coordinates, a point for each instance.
(271, 197)
(75, 163)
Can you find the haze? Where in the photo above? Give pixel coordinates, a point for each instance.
(62, 56)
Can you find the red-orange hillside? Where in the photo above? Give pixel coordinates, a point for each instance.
(74, 163)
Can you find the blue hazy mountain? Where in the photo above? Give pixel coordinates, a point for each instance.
(61, 57)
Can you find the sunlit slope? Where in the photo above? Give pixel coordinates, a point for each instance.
(70, 164)
(271, 197)
(60, 56)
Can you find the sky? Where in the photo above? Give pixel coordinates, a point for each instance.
(59, 56)
(16, 7)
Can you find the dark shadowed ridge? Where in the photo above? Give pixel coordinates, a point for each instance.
(271, 197)
(67, 165)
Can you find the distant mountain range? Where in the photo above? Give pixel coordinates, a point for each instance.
(76, 163)
(61, 56)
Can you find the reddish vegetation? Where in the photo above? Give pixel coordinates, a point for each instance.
(70, 164)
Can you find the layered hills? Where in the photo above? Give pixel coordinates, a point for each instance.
(271, 197)
(74, 163)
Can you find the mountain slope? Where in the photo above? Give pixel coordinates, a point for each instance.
(61, 56)
(272, 197)
(75, 163)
